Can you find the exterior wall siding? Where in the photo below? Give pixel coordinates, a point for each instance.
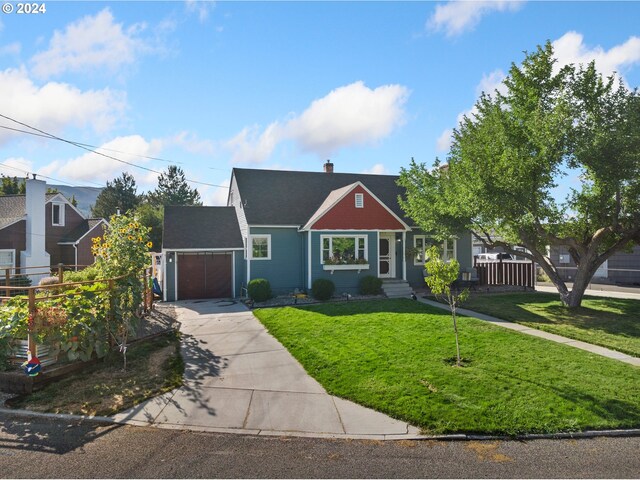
(285, 269)
(14, 237)
(170, 276)
(463, 255)
(240, 269)
(236, 201)
(622, 267)
(54, 233)
(346, 281)
(345, 216)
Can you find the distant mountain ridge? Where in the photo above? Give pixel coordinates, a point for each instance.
(85, 196)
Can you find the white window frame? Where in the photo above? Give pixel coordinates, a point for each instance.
(13, 260)
(260, 236)
(359, 199)
(355, 237)
(444, 246)
(61, 219)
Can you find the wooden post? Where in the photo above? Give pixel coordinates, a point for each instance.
(7, 279)
(146, 289)
(60, 273)
(151, 292)
(32, 313)
(500, 271)
(111, 315)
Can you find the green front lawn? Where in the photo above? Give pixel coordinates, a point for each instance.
(391, 355)
(609, 322)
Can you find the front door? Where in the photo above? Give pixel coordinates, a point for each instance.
(386, 256)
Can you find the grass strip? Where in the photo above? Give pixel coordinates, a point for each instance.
(609, 322)
(395, 356)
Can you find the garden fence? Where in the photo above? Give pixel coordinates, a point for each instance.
(33, 295)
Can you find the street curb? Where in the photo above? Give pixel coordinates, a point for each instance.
(634, 432)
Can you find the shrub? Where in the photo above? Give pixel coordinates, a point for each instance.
(259, 289)
(88, 274)
(370, 285)
(322, 289)
(45, 281)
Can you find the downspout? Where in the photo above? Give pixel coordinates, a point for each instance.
(404, 257)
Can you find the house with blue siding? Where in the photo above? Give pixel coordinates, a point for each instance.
(294, 227)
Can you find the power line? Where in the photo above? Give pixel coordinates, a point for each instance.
(43, 176)
(79, 145)
(92, 146)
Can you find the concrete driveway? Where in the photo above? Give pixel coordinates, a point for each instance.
(239, 378)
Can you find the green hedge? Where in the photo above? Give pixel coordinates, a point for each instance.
(259, 290)
(322, 289)
(370, 285)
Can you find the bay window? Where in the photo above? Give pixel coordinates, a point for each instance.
(343, 249)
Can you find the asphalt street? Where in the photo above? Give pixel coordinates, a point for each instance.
(51, 448)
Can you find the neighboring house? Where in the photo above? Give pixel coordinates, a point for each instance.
(293, 228)
(42, 229)
(622, 267)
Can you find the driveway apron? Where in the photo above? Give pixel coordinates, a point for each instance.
(239, 378)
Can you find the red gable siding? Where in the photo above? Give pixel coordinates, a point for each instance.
(345, 216)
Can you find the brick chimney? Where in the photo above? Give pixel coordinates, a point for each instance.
(328, 167)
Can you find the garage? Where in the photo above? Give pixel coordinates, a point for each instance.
(202, 251)
(204, 275)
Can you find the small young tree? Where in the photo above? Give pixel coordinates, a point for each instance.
(441, 276)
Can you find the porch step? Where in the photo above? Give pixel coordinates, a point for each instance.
(396, 289)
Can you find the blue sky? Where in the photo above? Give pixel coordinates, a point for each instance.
(287, 85)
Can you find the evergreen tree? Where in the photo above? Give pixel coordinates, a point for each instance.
(11, 185)
(173, 189)
(121, 194)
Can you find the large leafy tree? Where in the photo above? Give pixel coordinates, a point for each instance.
(119, 195)
(550, 126)
(173, 189)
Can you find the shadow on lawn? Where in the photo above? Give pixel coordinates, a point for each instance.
(50, 436)
(609, 409)
(609, 315)
(360, 307)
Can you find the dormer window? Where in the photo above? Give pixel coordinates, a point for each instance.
(57, 214)
(359, 200)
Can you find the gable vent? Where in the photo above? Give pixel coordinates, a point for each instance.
(359, 200)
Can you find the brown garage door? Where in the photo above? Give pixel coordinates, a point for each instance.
(204, 275)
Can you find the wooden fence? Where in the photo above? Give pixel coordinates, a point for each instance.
(39, 293)
(506, 272)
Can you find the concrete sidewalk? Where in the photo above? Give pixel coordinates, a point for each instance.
(240, 379)
(611, 291)
(605, 352)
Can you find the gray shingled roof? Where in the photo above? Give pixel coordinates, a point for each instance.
(80, 230)
(15, 206)
(275, 197)
(201, 227)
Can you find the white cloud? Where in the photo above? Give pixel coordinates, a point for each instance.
(53, 106)
(349, 115)
(443, 143)
(16, 167)
(456, 17)
(97, 168)
(570, 48)
(93, 42)
(489, 83)
(188, 142)
(11, 49)
(201, 8)
(214, 196)
(377, 169)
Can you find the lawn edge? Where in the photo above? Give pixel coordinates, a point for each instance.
(633, 432)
